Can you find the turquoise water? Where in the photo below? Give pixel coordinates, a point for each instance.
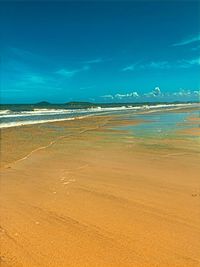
(160, 125)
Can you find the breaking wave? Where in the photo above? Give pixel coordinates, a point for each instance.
(10, 118)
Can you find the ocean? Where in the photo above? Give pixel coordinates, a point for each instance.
(17, 115)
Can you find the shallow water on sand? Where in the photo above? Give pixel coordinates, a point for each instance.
(160, 125)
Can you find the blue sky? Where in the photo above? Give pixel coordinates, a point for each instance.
(100, 51)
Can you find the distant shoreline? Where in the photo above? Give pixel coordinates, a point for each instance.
(34, 115)
(89, 104)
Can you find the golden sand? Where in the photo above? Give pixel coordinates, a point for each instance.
(82, 194)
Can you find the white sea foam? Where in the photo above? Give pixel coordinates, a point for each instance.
(4, 111)
(143, 107)
(76, 113)
(46, 110)
(34, 113)
(42, 112)
(22, 123)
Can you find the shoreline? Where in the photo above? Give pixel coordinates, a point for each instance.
(137, 110)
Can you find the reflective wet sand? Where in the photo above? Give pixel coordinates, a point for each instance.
(91, 193)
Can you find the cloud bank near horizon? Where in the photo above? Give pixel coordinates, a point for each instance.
(155, 95)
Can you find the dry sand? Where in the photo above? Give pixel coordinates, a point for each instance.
(81, 194)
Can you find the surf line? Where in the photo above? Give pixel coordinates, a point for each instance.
(53, 142)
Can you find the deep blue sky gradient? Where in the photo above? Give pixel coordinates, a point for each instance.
(100, 51)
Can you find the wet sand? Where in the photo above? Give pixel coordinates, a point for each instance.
(83, 194)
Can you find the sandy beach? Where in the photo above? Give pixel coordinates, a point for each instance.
(91, 193)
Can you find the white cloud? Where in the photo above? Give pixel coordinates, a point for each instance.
(93, 61)
(164, 65)
(156, 91)
(119, 96)
(156, 94)
(128, 95)
(182, 93)
(195, 61)
(188, 63)
(29, 80)
(24, 54)
(108, 96)
(129, 68)
(66, 73)
(195, 48)
(134, 94)
(158, 65)
(149, 65)
(188, 40)
(186, 93)
(70, 73)
(33, 78)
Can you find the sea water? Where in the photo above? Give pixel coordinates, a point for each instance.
(17, 115)
(161, 124)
